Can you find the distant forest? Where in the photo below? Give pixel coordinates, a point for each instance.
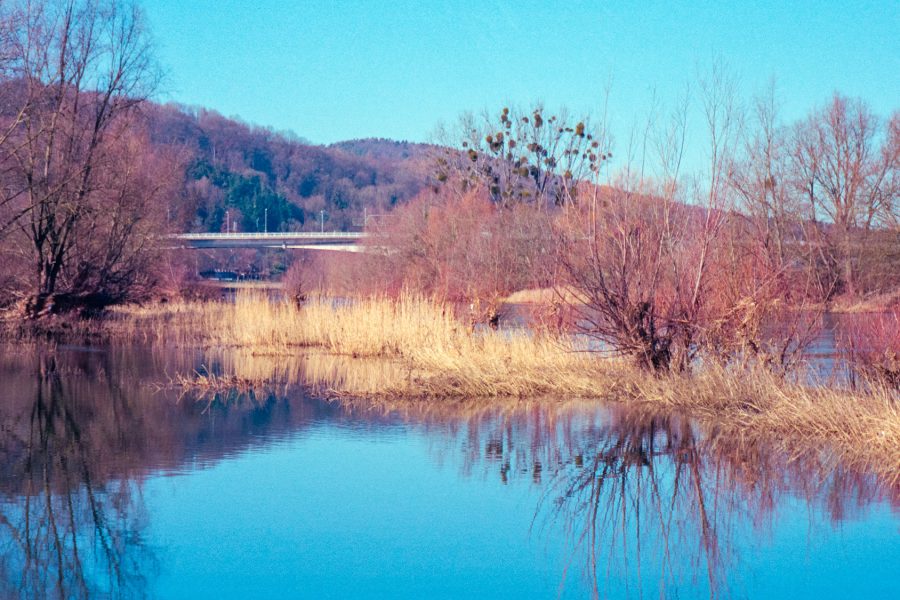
(249, 178)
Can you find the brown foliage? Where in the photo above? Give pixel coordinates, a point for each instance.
(463, 248)
(871, 344)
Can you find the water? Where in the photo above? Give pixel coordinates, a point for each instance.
(113, 484)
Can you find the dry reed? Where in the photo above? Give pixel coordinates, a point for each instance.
(544, 296)
(446, 358)
(416, 348)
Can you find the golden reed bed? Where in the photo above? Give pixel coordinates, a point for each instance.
(413, 348)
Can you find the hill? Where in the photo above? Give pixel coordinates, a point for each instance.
(383, 149)
(251, 178)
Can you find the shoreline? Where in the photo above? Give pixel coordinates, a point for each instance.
(839, 305)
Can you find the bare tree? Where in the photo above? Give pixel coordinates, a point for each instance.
(522, 156)
(891, 158)
(74, 189)
(762, 181)
(846, 170)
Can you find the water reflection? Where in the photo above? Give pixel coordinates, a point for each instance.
(648, 504)
(71, 530)
(636, 503)
(81, 430)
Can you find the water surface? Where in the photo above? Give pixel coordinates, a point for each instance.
(113, 484)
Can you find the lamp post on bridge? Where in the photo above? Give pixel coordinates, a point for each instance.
(322, 218)
(266, 232)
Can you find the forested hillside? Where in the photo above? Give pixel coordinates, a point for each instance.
(250, 178)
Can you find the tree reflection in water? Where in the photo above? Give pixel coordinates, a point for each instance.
(80, 431)
(650, 505)
(638, 494)
(71, 531)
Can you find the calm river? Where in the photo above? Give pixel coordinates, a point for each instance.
(113, 484)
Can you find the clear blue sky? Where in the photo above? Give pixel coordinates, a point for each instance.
(333, 70)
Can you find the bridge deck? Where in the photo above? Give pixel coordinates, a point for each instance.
(325, 240)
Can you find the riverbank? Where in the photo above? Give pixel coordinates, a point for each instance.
(424, 353)
(871, 304)
(840, 305)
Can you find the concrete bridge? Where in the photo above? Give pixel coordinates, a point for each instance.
(344, 241)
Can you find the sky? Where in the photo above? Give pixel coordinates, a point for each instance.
(333, 70)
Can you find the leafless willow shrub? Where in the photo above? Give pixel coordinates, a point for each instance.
(871, 343)
(668, 266)
(640, 268)
(644, 253)
(304, 277)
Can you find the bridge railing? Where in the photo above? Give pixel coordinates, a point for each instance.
(291, 235)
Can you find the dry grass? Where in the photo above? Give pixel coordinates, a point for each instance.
(448, 359)
(414, 348)
(213, 383)
(442, 355)
(859, 429)
(542, 296)
(368, 327)
(870, 304)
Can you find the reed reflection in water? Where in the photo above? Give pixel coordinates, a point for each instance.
(621, 502)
